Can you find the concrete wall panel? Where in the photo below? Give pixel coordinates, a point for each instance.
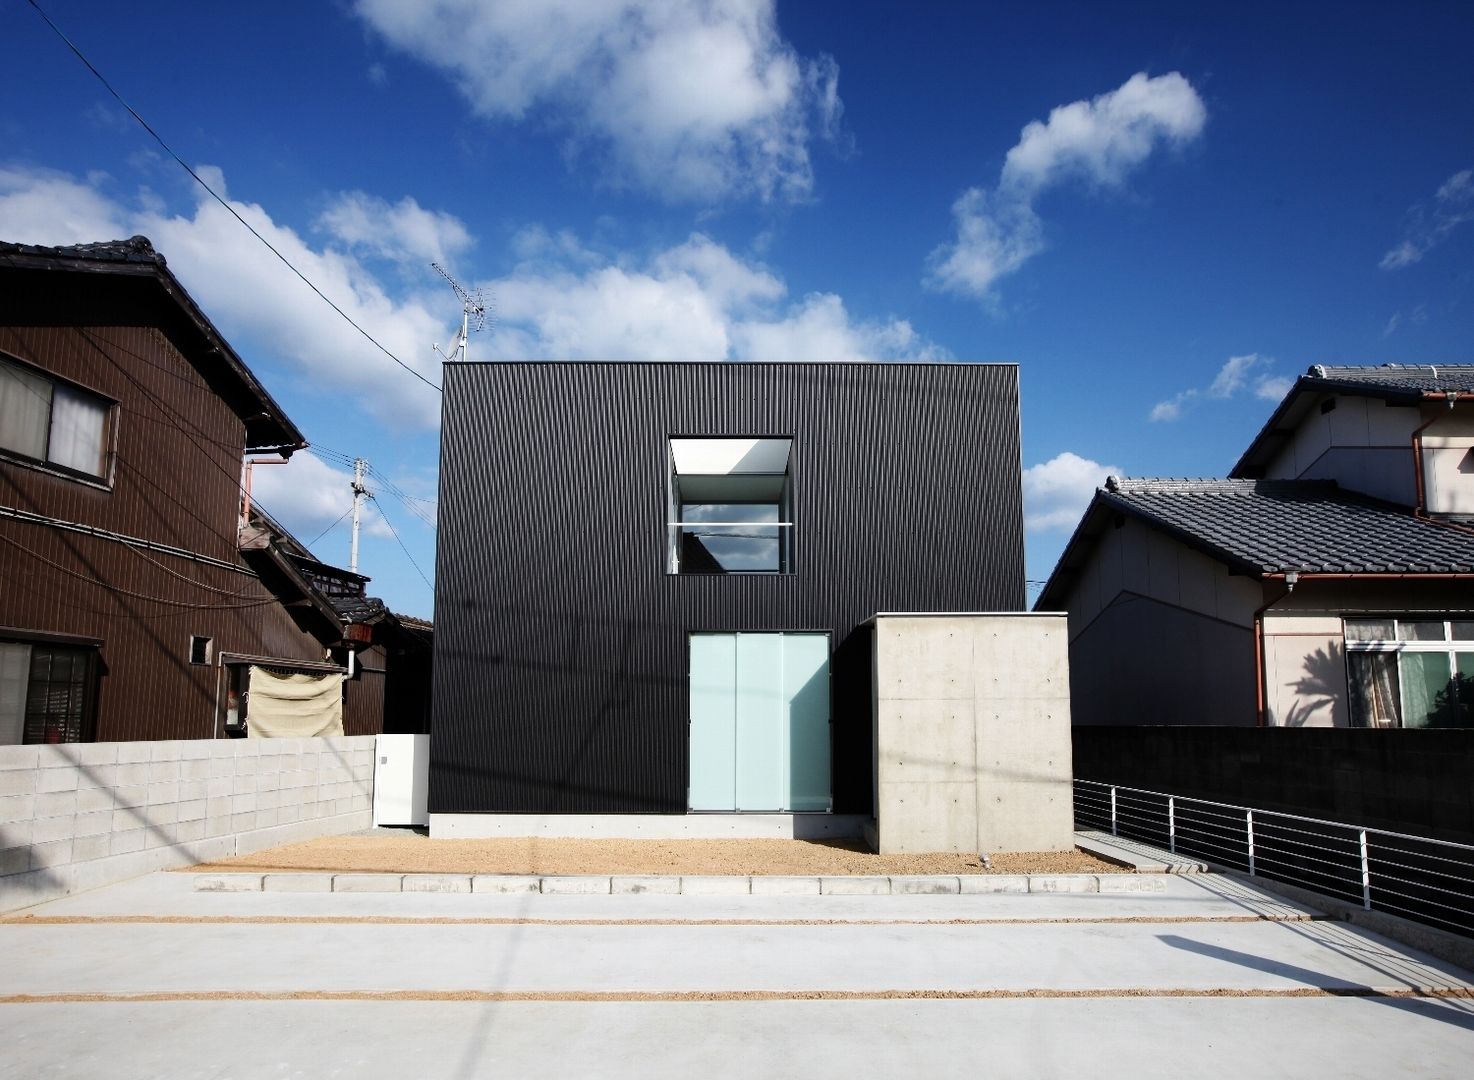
(929, 659)
(929, 741)
(990, 772)
(1412, 781)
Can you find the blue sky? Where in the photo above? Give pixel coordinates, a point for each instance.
(1161, 217)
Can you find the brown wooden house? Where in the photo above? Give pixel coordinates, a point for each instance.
(128, 607)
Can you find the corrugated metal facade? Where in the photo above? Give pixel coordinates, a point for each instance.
(560, 645)
(174, 481)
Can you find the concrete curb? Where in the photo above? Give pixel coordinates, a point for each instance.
(667, 885)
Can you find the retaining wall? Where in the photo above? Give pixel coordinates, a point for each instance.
(1412, 781)
(76, 816)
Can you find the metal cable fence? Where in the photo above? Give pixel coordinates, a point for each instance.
(1430, 881)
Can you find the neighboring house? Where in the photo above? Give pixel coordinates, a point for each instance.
(384, 656)
(136, 603)
(1328, 582)
(655, 580)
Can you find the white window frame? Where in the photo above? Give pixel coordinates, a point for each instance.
(676, 523)
(1450, 646)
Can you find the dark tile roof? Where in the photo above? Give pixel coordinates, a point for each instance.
(1401, 384)
(128, 279)
(1269, 527)
(136, 249)
(1416, 378)
(1273, 526)
(358, 608)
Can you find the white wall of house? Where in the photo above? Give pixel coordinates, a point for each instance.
(1304, 669)
(1305, 647)
(1448, 461)
(1160, 634)
(1363, 444)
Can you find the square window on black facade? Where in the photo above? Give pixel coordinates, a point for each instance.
(730, 506)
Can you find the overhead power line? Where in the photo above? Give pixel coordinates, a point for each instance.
(407, 555)
(216, 196)
(331, 527)
(344, 460)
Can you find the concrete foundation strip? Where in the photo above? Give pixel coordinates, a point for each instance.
(509, 920)
(672, 996)
(756, 885)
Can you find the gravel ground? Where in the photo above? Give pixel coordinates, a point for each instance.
(413, 854)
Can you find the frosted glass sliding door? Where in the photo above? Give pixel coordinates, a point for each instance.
(760, 722)
(806, 692)
(713, 721)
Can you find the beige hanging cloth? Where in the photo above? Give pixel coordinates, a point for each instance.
(294, 706)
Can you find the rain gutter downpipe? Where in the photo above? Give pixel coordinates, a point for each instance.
(1261, 710)
(1450, 398)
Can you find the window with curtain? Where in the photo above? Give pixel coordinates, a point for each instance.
(1410, 672)
(47, 692)
(51, 421)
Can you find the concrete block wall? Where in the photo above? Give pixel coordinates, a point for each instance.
(80, 815)
(972, 733)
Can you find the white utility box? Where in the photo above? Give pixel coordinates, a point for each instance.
(401, 779)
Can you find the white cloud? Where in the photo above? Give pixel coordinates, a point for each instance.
(1430, 223)
(1099, 141)
(43, 206)
(1237, 374)
(1416, 317)
(1106, 138)
(694, 301)
(1272, 387)
(996, 234)
(821, 329)
(699, 100)
(310, 496)
(249, 293)
(1234, 374)
(1057, 491)
(1171, 408)
(402, 231)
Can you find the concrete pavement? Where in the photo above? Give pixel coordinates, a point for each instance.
(1208, 976)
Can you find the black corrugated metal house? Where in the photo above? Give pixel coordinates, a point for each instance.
(652, 577)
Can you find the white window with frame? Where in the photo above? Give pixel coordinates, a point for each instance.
(1413, 671)
(729, 506)
(53, 422)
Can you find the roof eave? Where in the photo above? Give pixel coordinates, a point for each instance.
(1077, 552)
(268, 429)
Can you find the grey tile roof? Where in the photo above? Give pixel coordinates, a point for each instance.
(1400, 384)
(1273, 526)
(1416, 378)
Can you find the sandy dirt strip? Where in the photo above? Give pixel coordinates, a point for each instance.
(414, 854)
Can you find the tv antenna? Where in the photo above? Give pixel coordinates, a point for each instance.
(473, 314)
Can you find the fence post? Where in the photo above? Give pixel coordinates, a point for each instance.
(1249, 818)
(1366, 874)
(1172, 824)
(1113, 811)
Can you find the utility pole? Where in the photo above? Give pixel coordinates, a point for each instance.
(359, 491)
